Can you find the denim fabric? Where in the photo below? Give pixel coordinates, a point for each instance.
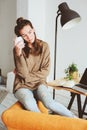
(28, 99)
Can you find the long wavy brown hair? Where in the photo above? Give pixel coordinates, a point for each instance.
(37, 46)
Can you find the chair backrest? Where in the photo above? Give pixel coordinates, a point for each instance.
(10, 81)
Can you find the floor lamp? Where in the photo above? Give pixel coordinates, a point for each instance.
(68, 19)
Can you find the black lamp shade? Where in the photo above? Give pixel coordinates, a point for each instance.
(69, 18)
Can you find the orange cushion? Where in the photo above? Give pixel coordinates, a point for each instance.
(16, 118)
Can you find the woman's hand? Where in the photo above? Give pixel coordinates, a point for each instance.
(19, 45)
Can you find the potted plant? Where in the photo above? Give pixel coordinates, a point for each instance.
(71, 72)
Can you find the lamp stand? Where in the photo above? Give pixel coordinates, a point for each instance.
(55, 50)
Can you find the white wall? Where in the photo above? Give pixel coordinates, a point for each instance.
(37, 15)
(22, 8)
(7, 20)
(71, 43)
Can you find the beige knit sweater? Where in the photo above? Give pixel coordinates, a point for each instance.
(32, 71)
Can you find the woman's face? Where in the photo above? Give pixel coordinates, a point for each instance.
(28, 34)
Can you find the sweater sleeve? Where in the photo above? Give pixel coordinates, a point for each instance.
(20, 64)
(44, 69)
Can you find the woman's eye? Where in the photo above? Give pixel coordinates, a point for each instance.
(30, 32)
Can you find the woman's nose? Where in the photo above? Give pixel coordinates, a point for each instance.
(28, 36)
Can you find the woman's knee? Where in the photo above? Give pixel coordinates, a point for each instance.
(27, 99)
(23, 93)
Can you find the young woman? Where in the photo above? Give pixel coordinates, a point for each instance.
(32, 63)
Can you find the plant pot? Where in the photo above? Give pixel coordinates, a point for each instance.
(75, 75)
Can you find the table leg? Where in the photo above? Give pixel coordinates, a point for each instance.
(84, 106)
(71, 100)
(53, 93)
(79, 105)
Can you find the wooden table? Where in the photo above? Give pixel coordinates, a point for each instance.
(74, 93)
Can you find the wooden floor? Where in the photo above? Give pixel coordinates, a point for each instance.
(61, 96)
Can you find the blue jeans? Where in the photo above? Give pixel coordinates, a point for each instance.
(28, 99)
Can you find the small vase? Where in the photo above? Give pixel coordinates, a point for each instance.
(75, 75)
